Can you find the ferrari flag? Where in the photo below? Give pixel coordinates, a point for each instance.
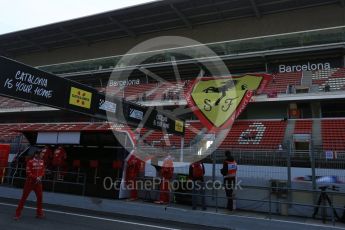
(217, 102)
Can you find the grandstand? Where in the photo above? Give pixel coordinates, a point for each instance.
(304, 102)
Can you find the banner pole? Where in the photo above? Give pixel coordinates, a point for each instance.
(182, 153)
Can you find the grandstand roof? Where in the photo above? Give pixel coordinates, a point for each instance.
(143, 19)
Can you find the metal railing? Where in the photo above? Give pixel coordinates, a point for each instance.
(16, 177)
(268, 205)
(272, 197)
(270, 165)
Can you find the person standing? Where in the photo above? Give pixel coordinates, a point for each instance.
(167, 173)
(47, 156)
(59, 162)
(35, 170)
(196, 175)
(132, 172)
(59, 157)
(229, 171)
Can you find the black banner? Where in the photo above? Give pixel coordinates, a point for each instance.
(25, 83)
(152, 118)
(159, 120)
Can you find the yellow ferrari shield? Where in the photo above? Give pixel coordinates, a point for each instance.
(220, 99)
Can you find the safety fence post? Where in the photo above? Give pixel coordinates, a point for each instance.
(332, 208)
(313, 173)
(216, 200)
(333, 220)
(54, 175)
(84, 185)
(213, 173)
(288, 157)
(269, 202)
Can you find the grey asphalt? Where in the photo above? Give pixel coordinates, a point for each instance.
(60, 219)
(65, 211)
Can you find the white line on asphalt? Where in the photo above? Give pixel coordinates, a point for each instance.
(97, 218)
(265, 219)
(160, 227)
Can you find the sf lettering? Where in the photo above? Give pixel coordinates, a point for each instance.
(208, 105)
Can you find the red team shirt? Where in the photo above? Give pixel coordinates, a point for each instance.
(48, 155)
(133, 167)
(59, 157)
(167, 168)
(35, 168)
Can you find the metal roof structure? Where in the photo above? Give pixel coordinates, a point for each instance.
(143, 19)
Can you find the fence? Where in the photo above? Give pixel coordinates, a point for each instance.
(272, 200)
(278, 182)
(52, 182)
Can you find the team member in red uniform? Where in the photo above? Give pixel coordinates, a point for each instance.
(167, 172)
(196, 175)
(132, 172)
(229, 171)
(59, 161)
(34, 172)
(59, 157)
(47, 156)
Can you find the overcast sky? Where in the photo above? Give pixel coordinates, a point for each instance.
(23, 14)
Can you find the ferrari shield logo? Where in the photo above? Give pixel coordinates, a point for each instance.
(217, 102)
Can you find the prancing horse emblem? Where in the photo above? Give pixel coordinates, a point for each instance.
(227, 85)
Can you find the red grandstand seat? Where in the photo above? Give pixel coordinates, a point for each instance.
(333, 134)
(255, 135)
(303, 126)
(335, 78)
(281, 82)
